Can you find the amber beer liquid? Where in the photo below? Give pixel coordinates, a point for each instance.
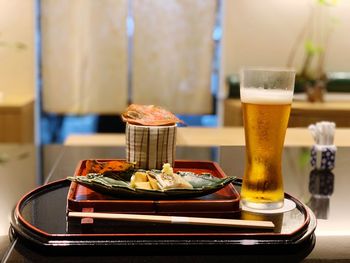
(265, 114)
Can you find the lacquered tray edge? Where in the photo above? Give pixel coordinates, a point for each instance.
(64, 183)
(74, 205)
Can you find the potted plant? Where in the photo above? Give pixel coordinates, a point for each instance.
(315, 36)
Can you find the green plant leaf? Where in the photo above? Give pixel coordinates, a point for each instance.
(327, 2)
(312, 49)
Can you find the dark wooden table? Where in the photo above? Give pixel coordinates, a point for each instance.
(23, 167)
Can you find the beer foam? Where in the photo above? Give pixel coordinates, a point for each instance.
(266, 96)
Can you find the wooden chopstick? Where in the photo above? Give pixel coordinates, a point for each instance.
(177, 220)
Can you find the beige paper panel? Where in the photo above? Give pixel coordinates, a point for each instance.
(84, 56)
(16, 51)
(173, 52)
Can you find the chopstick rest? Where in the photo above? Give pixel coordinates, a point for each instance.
(177, 220)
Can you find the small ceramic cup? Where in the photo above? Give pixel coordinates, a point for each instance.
(323, 157)
(150, 146)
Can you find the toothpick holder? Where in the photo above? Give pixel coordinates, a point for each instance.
(323, 157)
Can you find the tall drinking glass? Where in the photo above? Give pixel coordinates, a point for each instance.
(266, 96)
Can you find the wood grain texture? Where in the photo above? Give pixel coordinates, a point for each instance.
(199, 136)
(302, 114)
(17, 121)
(177, 220)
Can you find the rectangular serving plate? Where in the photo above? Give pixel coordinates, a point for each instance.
(223, 203)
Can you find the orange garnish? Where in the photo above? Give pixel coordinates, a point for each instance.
(149, 115)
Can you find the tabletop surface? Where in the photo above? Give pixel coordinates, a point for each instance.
(302, 113)
(24, 167)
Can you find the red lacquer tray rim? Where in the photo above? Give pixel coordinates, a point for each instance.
(18, 218)
(73, 205)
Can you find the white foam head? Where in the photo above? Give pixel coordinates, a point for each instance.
(266, 96)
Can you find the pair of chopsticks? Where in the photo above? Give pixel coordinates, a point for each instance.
(177, 220)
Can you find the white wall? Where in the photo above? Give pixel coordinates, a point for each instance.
(16, 64)
(256, 32)
(262, 33)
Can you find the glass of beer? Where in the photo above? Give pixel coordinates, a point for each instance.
(266, 96)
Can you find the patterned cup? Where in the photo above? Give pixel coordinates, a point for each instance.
(323, 157)
(150, 146)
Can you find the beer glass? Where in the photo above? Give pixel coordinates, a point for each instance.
(266, 97)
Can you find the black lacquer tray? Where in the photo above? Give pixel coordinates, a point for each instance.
(40, 220)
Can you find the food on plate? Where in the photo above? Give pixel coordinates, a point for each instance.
(158, 180)
(113, 168)
(143, 185)
(149, 115)
(138, 177)
(153, 182)
(167, 179)
(167, 169)
(94, 166)
(165, 183)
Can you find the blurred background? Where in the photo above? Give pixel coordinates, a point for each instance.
(73, 66)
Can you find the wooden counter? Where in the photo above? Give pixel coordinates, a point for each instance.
(17, 121)
(199, 136)
(302, 115)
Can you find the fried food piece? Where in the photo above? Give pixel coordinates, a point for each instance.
(101, 167)
(149, 115)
